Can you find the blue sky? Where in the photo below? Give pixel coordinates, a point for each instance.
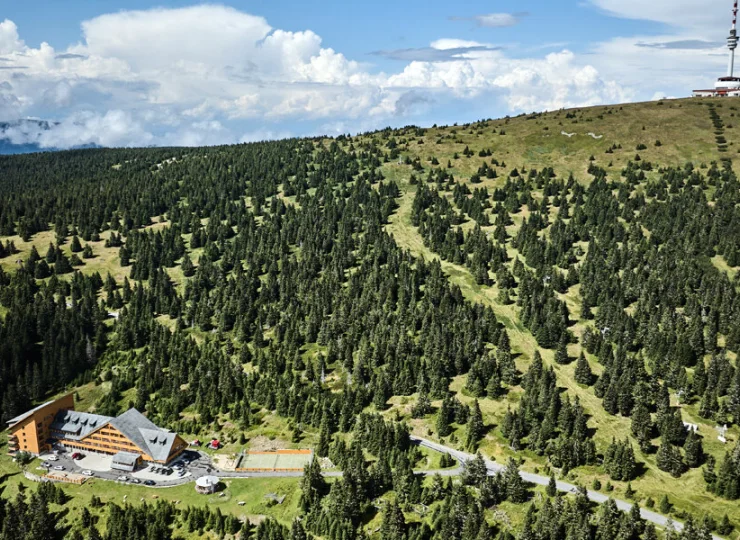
(186, 73)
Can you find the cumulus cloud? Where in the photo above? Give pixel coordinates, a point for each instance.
(198, 75)
(9, 39)
(553, 82)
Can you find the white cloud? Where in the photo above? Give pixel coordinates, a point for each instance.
(634, 64)
(687, 14)
(553, 82)
(446, 44)
(497, 20)
(264, 135)
(688, 52)
(9, 40)
(196, 75)
(207, 35)
(114, 128)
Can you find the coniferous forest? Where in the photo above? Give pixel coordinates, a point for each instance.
(569, 320)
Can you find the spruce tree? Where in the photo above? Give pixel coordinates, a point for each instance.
(514, 487)
(474, 471)
(642, 426)
(669, 459)
(725, 527)
(694, 450)
(443, 418)
(75, 246)
(494, 390)
(583, 373)
(475, 428)
(561, 353)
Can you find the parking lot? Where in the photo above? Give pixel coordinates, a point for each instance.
(190, 466)
(185, 469)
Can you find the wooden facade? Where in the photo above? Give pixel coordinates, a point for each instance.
(108, 440)
(31, 433)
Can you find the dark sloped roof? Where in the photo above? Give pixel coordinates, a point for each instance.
(77, 425)
(126, 458)
(153, 440)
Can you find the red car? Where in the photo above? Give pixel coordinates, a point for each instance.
(77, 455)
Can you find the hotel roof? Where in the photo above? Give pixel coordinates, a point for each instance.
(78, 425)
(151, 439)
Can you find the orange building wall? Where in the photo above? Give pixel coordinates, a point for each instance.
(30, 434)
(108, 440)
(178, 447)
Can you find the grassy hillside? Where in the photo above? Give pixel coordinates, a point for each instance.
(666, 134)
(686, 134)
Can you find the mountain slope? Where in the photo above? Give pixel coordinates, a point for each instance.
(422, 274)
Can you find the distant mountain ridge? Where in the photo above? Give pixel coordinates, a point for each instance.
(27, 126)
(28, 129)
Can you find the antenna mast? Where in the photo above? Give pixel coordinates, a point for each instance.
(732, 42)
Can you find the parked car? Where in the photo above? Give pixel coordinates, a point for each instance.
(168, 471)
(53, 458)
(149, 483)
(77, 456)
(121, 478)
(135, 481)
(46, 464)
(59, 467)
(88, 473)
(181, 473)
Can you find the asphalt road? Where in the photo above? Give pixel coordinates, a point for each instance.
(595, 496)
(201, 465)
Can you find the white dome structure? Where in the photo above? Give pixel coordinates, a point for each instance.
(206, 485)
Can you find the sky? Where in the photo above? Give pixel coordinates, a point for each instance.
(142, 73)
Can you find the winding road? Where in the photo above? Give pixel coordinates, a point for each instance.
(595, 496)
(201, 465)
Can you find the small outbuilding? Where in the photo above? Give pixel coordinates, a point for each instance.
(205, 485)
(215, 444)
(125, 461)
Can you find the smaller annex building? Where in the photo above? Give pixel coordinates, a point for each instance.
(205, 485)
(130, 438)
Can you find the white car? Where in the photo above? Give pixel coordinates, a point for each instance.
(122, 478)
(59, 467)
(53, 458)
(88, 473)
